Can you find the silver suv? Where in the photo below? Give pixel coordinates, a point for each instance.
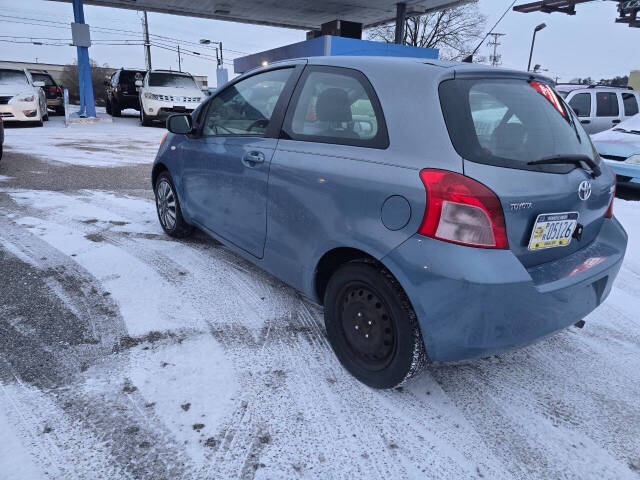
(600, 107)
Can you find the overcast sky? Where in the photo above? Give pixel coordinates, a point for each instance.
(588, 44)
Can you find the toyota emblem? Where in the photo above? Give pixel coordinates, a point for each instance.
(584, 190)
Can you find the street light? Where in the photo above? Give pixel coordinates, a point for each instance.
(206, 41)
(533, 42)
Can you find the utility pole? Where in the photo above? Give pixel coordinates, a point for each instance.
(147, 44)
(179, 60)
(495, 58)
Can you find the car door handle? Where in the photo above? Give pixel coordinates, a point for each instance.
(251, 159)
(585, 122)
(616, 121)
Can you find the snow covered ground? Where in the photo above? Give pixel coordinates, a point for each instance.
(121, 142)
(126, 354)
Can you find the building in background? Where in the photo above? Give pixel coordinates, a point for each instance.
(634, 79)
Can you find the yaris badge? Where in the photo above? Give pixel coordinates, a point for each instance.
(584, 190)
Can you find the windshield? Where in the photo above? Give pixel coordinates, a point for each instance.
(43, 77)
(171, 80)
(510, 123)
(12, 77)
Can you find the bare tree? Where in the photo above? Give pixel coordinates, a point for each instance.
(69, 79)
(455, 31)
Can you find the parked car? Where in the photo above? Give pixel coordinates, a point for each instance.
(52, 91)
(471, 218)
(21, 98)
(600, 107)
(164, 92)
(1, 136)
(619, 147)
(121, 91)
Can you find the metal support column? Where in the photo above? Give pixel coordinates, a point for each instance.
(87, 103)
(401, 14)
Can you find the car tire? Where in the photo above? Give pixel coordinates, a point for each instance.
(144, 119)
(168, 208)
(372, 326)
(107, 106)
(115, 108)
(0, 151)
(46, 117)
(60, 111)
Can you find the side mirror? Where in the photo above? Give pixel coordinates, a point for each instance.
(138, 83)
(180, 124)
(38, 83)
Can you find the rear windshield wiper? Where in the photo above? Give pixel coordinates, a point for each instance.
(571, 160)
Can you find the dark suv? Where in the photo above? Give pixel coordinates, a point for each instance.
(52, 90)
(121, 91)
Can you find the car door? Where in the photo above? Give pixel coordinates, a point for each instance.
(607, 111)
(226, 169)
(581, 104)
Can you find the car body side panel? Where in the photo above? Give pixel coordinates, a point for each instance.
(323, 197)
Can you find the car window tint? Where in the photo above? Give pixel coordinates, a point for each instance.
(246, 107)
(334, 106)
(13, 77)
(43, 77)
(581, 104)
(173, 80)
(630, 104)
(607, 104)
(508, 123)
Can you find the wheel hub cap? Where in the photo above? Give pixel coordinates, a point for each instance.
(166, 203)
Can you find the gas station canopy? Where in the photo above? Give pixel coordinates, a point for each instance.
(299, 14)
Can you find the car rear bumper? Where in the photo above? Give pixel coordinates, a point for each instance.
(474, 302)
(54, 102)
(624, 169)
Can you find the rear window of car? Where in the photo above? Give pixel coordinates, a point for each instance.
(171, 80)
(607, 104)
(128, 77)
(630, 104)
(43, 77)
(508, 123)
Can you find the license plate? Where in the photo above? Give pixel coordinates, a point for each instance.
(553, 230)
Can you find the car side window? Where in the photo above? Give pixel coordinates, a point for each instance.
(630, 104)
(581, 104)
(336, 105)
(607, 104)
(246, 107)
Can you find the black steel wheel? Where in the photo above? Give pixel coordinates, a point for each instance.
(368, 328)
(371, 325)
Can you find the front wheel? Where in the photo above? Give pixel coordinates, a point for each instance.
(168, 207)
(371, 325)
(144, 119)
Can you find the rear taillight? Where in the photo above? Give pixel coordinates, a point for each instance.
(609, 213)
(461, 210)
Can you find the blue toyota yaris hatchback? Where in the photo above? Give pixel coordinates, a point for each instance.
(436, 210)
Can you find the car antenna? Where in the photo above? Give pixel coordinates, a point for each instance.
(469, 58)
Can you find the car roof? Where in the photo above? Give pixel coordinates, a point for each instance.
(186, 74)
(436, 67)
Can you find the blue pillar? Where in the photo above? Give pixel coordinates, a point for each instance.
(87, 103)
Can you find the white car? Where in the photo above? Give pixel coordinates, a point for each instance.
(600, 107)
(22, 99)
(165, 92)
(619, 147)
